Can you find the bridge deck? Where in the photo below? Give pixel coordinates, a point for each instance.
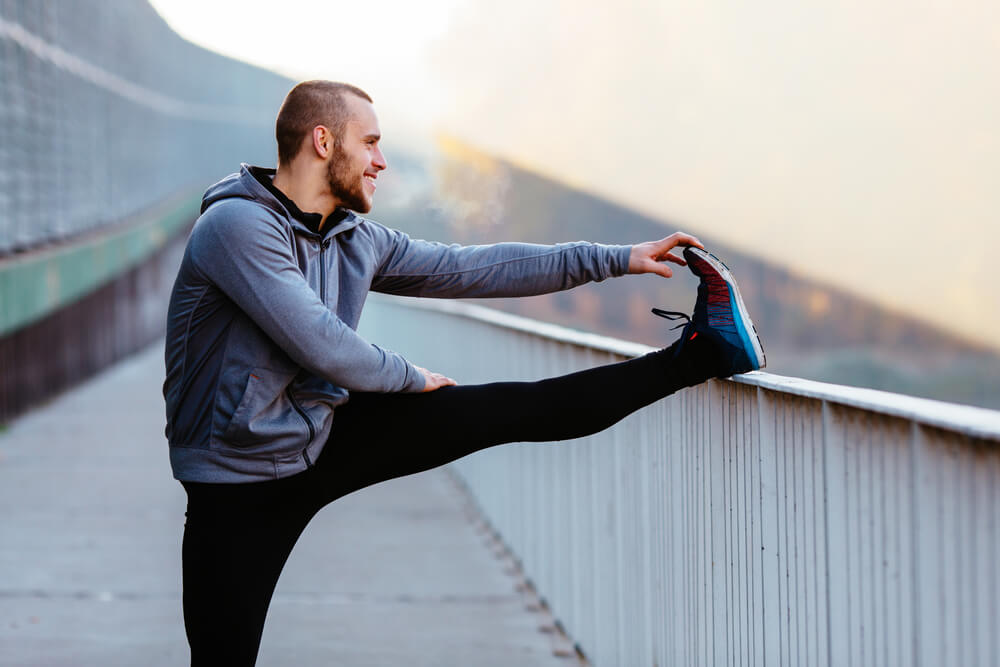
(90, 554)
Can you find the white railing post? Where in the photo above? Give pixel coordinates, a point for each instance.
(836, 537)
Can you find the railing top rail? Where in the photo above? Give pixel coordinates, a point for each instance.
(967, 420)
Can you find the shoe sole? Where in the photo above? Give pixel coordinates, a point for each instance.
(744, 325)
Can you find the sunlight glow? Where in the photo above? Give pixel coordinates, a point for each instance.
(853, 143)
(379, 46)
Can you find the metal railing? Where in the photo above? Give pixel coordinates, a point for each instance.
(760, 521)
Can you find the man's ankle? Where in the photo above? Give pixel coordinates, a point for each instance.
(690, 362)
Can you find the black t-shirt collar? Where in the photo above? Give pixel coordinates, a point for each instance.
(310, 220)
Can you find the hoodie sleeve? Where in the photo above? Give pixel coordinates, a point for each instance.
(422, 268)
(247, 255)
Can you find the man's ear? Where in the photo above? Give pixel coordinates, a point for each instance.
(322, 141)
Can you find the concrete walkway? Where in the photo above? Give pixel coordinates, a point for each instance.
(90, 538)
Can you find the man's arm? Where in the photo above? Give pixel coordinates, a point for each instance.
(420, 268)
(643, 258)
(247, 256)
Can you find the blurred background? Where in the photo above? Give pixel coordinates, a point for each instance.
(843, 158)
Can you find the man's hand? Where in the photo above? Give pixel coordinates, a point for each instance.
(434, 381)
(648, 257)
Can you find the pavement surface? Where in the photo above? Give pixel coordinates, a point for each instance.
(403, 573)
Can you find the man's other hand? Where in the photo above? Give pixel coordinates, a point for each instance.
(434, 381)
(649, 257)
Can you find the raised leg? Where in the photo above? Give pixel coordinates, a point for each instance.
(377, 437)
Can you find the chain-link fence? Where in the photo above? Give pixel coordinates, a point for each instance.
(104, 110)
(106, 117)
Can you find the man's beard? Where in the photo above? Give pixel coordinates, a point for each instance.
(344, 185)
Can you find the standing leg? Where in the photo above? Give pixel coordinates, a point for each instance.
(236, 540)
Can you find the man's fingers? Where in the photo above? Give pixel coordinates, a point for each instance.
(661, 270)
(443, 381)
(680, 238)
(433, 380)
(648, 257)
(671, 257)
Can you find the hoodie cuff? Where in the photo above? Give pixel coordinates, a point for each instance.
(619, 259)
(415, 381)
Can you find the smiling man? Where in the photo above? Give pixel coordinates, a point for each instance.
(348, 147)
(276, 407)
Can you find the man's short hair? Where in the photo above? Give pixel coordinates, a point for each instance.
(307, 105)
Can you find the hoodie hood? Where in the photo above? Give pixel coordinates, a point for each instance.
(244, 185)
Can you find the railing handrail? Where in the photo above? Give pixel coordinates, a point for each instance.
(965, 419)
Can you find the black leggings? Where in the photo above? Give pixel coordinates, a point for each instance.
(238, 536)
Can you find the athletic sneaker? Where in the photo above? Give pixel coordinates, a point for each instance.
(720, 316)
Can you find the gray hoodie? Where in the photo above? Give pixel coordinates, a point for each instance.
(261, 342)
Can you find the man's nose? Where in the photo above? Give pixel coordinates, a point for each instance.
(378, 160)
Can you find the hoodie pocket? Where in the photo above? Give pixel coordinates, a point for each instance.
(264, 413)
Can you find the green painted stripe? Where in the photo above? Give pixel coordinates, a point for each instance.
(38, 283)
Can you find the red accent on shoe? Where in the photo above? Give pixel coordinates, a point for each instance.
(693, 335)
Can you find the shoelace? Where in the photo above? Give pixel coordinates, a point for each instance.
(672, 315)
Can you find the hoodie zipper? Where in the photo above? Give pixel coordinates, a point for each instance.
(322, 270)
(323, 245)
(309, 424)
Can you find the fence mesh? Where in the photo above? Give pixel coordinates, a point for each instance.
(104, 110)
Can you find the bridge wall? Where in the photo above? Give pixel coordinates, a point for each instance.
(761, 522)
(111, 126)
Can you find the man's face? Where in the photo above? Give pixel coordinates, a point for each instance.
(356, 162)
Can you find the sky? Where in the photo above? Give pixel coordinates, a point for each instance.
(855, 142)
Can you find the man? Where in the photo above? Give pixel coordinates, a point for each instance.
(276, 407)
